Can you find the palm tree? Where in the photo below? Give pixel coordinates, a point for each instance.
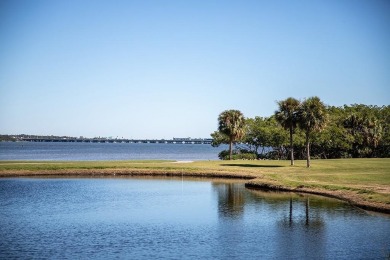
(287, 117)
(232, 124)
(366, 131)
(312, 116)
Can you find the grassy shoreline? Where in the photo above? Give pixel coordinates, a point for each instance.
(362, 182)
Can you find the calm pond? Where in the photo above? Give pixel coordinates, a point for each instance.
(133, 218)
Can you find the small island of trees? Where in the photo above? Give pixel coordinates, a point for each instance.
(306, 129)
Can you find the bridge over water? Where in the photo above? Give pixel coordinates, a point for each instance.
(116, 140)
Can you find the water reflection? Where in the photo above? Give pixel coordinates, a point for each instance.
(231, 199)
(296, 209)
(176, 219)
(297, 218)
(309, 219)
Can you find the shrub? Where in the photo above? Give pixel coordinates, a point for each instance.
(237, 155)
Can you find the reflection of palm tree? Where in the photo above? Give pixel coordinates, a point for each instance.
(309, 220)
(295, 206)
(230, 199)
(307, 211)
(301, 227)
(290, 219)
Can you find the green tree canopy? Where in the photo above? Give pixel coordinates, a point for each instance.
(351, 131)
(232, 124)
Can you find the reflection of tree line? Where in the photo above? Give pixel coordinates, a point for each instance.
(295, 222)
(232, 198)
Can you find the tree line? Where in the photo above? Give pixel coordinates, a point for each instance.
(306, 129)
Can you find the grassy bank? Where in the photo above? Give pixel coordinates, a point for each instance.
(363, 182)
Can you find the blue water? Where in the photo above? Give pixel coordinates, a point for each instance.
(106, 151)
(128, 218)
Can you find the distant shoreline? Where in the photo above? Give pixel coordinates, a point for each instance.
(71, 139)
(268, 175)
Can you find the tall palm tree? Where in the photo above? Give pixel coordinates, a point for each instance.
(232, 124)
(286, 115)
(312, 116)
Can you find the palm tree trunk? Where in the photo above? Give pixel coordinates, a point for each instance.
(291, 146)
(307, 149)
(230, 149)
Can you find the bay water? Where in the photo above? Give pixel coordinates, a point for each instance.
(44, 151)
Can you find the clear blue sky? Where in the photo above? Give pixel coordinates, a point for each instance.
(159, 69)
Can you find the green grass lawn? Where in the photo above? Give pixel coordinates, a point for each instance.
(367, 178)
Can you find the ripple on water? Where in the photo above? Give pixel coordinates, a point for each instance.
(152, 218)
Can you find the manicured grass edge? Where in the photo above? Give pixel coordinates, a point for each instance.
(347, 196)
